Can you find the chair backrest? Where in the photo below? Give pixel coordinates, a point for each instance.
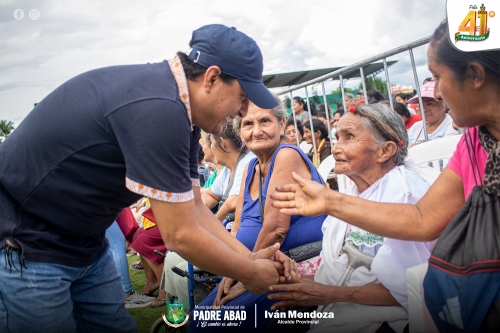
(344, 182)
(435, 153)
(326, 166)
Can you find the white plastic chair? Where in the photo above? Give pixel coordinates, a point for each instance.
(436, 154)
(344, 182)
(326, 167)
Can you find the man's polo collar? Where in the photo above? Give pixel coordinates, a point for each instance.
(180, 78)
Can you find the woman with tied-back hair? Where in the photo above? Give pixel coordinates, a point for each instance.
(232, 153)
(371, 150)
(469, 84)
(300, 108)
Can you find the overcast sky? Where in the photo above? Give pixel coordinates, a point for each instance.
(71, 37)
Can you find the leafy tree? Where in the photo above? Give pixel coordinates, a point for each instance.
(347, 90)
(374, 83)
(6, 127)
(288, 102)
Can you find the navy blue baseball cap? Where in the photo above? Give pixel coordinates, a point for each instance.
(237, 55)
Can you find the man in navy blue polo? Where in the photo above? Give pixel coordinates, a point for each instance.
(97, 144)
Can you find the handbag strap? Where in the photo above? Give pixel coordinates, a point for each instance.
(475, 171)
(261, 206)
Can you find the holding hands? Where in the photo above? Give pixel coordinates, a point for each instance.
(272, 267)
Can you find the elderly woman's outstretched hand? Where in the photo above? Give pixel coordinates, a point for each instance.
(304, 198)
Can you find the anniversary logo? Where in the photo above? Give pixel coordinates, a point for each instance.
(474, 33)
(473, 26)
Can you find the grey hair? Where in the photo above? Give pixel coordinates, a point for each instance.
(350, 96)
(385, 125)
(278, 111)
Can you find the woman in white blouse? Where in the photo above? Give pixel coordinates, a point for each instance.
(371, 150)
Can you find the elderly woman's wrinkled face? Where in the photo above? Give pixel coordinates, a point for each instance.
(434, 110)
(354, 152)
(261, 130)
(290, 135)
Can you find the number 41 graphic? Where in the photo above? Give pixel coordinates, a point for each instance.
(469, 22)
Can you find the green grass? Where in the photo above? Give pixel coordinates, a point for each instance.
(146, 316)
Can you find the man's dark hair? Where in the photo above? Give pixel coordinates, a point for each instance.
(193, 70)
(401, 109)
(318, 126)
(322, 108)
(300, 127)
(374, 96)
(429, 79)
(322, 114)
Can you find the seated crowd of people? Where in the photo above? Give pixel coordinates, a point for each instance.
(261, 151)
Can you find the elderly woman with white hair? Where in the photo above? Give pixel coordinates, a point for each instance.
(371, 150)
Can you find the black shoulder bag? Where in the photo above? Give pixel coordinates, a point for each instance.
(462, 284)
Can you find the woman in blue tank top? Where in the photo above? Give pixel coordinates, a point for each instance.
(261, 130)
(302, 229)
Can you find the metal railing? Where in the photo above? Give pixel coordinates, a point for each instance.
(359, 65)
